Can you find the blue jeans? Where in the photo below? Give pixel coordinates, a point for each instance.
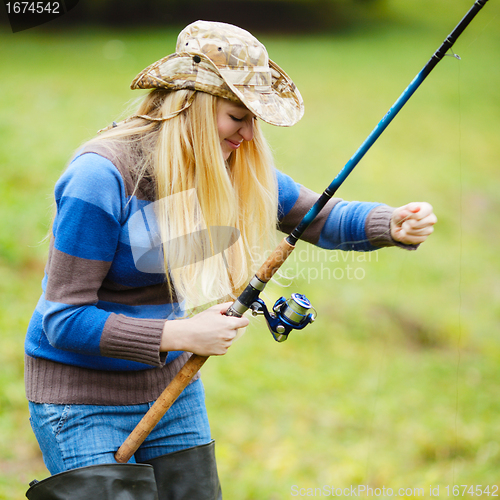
(72, 436)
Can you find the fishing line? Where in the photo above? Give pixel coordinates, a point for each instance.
(382, 365)
(482, 31)
(460, 256)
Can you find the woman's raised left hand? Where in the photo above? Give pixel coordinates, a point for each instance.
(412, 224)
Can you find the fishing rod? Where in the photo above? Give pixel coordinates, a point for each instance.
(296, 312)
(258, 282)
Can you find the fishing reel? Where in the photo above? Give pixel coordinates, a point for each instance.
(287, 315)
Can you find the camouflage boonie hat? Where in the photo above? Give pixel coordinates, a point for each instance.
(227, 61)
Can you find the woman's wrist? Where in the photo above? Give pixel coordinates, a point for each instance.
(172, 335)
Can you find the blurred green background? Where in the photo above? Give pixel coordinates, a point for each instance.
(396, 384)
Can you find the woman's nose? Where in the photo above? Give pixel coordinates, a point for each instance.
(246, 130)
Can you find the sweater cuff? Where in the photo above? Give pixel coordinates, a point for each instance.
(134, 339)
(378, 228)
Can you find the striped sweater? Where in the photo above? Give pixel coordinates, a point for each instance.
(94, 337)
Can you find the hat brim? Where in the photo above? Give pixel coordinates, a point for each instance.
(279, 103)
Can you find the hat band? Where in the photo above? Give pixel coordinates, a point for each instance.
(150, 118)
(252, 76)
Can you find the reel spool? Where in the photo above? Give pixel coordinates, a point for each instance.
(292, 314)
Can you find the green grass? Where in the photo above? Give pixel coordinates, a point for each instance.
(396, 383)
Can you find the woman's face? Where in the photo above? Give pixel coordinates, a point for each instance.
(234, 124)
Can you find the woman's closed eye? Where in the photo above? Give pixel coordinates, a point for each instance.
(242, 119)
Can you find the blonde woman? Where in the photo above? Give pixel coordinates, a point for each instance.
(170, 211)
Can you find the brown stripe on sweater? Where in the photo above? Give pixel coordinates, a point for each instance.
(66, 284)
(152, 295)
(135, 339)
(73, 280)
(378, 228)
(56, 383)
(305, 201)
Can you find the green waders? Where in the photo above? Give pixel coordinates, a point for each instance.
(98, 482)
(189, 474)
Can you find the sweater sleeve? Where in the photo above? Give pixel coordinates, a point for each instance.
(341, 225)
(91, 204)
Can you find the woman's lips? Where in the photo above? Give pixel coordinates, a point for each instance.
(233, 144)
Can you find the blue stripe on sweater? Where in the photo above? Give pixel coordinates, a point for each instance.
(83, 236)
(38, 346)
(93, 179)
(65, 323)
(344, 228)
(288, 193)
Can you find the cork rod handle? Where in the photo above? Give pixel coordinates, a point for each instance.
(275, 260)
(159, 408)
(188, 371)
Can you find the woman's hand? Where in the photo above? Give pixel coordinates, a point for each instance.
(209, 333)
(413, 223)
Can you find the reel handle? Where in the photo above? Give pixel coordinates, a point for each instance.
(287, 315)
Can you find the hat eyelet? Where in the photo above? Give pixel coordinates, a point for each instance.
(197, 59)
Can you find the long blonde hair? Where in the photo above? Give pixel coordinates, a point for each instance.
(200, 192)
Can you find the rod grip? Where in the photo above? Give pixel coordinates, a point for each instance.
(274, 261)
(159, 408)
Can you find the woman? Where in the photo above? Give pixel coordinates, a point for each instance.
(185, 185)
